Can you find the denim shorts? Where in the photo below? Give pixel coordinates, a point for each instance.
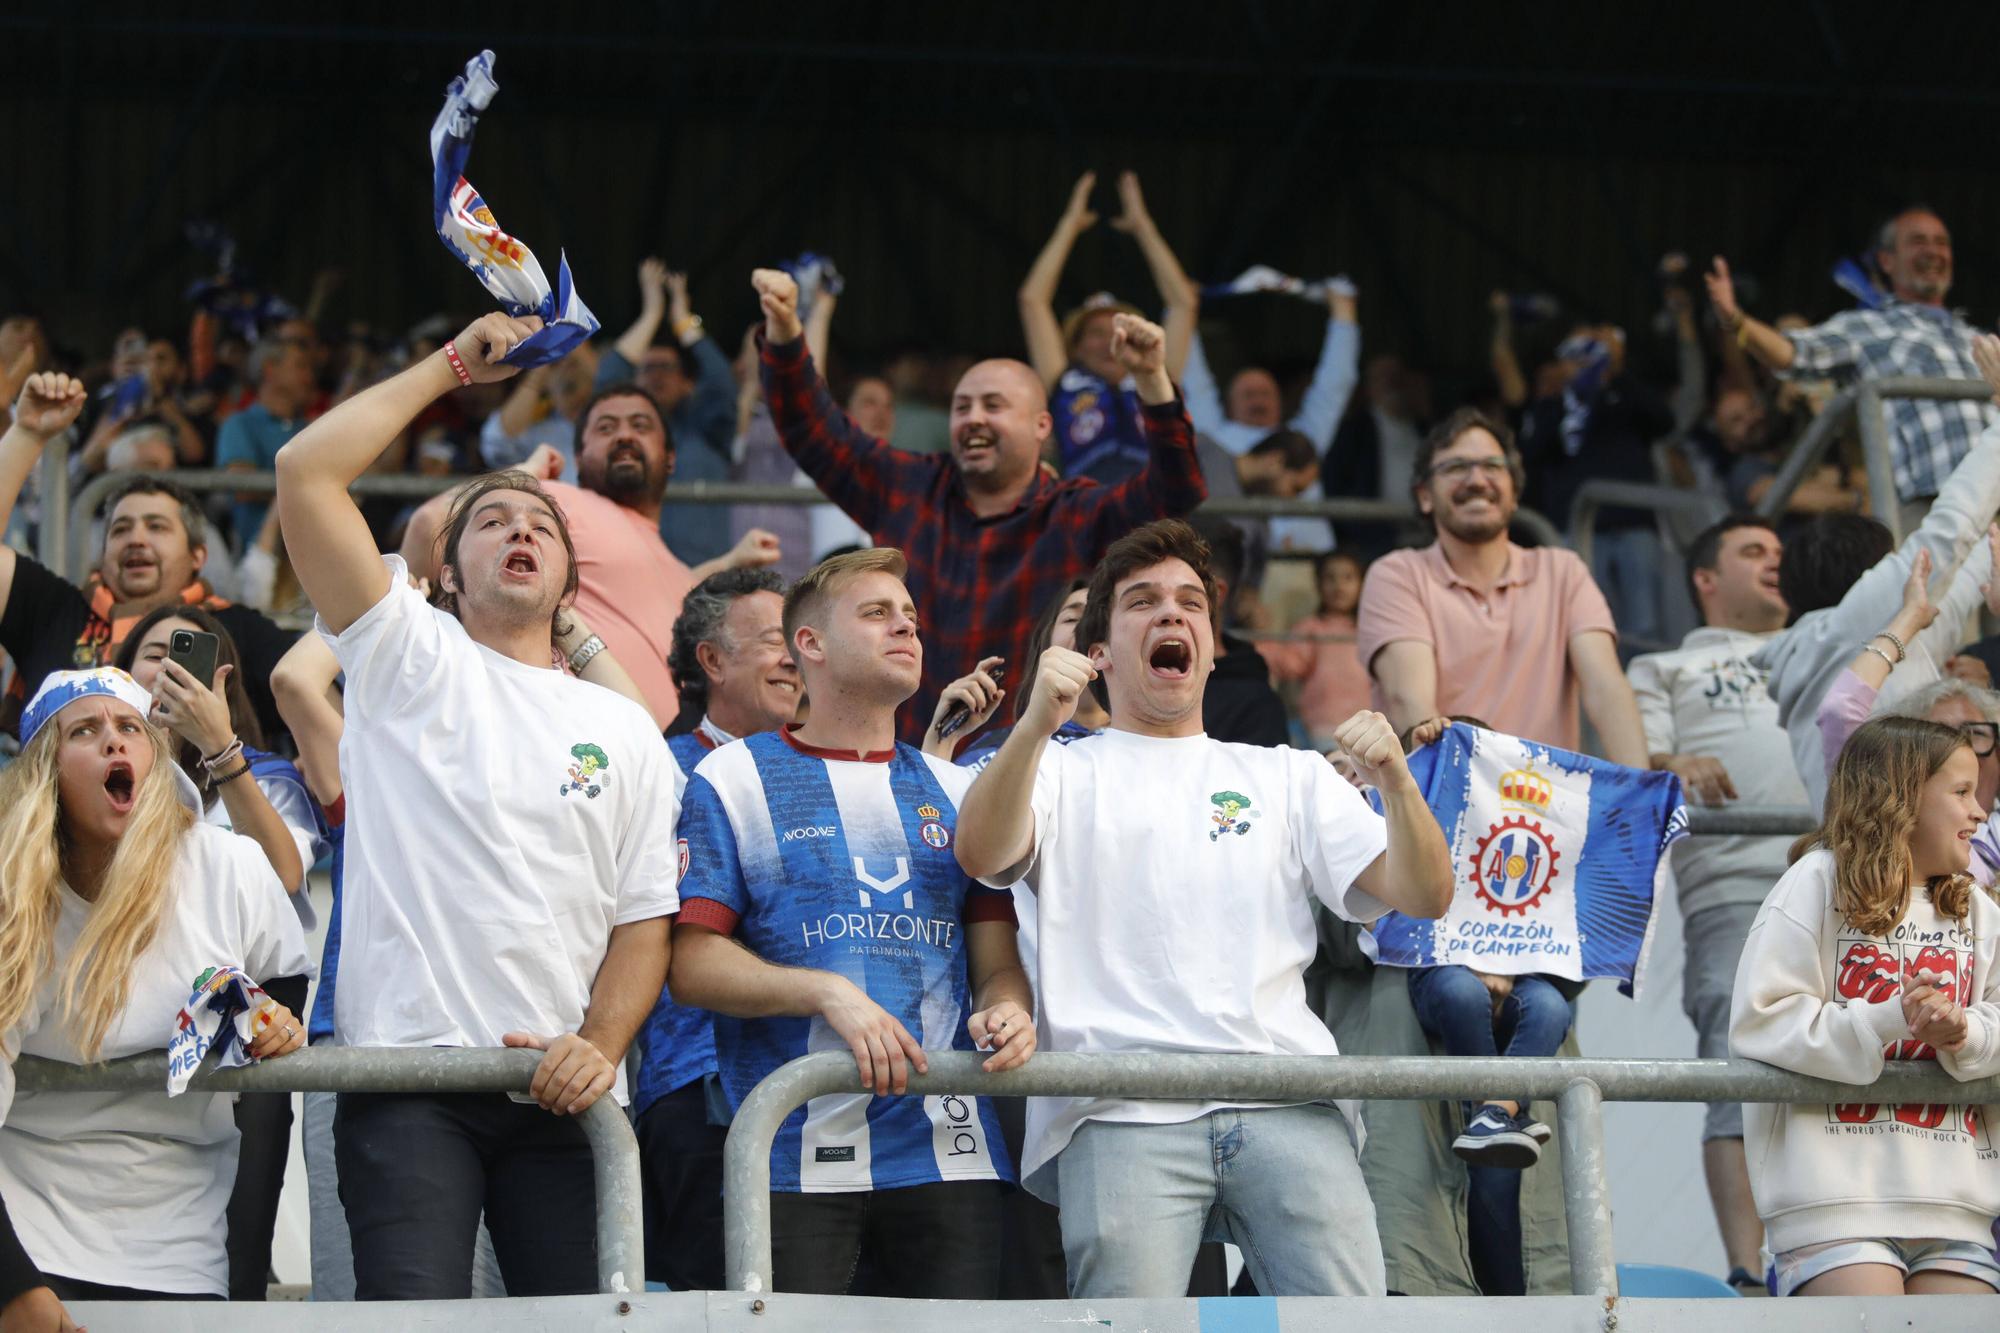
(1794, 1268)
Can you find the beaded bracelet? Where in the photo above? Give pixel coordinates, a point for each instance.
(1902, 649)
(215, 781)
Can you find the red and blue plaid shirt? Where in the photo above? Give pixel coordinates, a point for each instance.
(979, 584)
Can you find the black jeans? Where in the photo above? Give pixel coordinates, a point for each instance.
(416, 1170)
(682, 1157)
(928, 1242)
(264, 1127)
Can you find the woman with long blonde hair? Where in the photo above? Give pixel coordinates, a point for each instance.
(114, 897)
(1876, 945)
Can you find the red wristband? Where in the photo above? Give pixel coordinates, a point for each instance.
(457, 364)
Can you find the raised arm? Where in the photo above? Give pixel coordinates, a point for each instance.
(996, 820)
(1338, 371)
(1171, 482)
(1754, 336)
(330, 545)
(861, 474)
(1500, 352)
(1043, 334)
(634, 342)
(303, 685)
(48, 406)
(1177, 294)
(1413, 874)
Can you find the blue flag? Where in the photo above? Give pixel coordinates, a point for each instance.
(1558, 858)
(502, 263)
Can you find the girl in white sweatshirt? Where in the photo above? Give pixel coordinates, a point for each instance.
(1876, 945)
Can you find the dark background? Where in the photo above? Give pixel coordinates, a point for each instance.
(1432, 151)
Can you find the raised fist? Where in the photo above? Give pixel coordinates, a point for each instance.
(1139, 344)
(48, 404)
(1370, 744)
(488, 339)
(778, 293)
(1060, 680)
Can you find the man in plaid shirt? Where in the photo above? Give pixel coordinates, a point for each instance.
(1912, 335)
(991, 539)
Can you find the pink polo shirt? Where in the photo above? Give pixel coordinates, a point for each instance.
(630, 588)
(1503, 656)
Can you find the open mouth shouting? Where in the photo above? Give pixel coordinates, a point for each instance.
(521, 563)
(1171, 658)
(977, 442)
(121, 786)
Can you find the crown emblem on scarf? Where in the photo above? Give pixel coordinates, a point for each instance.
(1526, 789)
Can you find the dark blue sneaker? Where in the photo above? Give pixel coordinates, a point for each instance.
(1496, 1139)
(1533, 1128)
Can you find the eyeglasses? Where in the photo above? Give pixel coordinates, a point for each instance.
(1982, 736)
(1458, 469)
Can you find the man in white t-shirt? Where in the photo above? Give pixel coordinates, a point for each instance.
(510, 859)
(1173, 877)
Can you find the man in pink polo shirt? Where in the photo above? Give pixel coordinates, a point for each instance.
(629, 585)
(1474, 625)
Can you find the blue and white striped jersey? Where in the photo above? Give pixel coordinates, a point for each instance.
(677, 1041)
(843, 862)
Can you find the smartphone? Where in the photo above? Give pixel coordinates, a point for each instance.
(195, 651)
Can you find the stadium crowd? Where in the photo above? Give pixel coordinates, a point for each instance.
(673, 793)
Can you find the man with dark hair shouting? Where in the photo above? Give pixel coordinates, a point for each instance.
(508, 874)
(1173, 878)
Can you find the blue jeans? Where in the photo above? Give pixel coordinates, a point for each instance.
(1455, 1008)
(1281, 1182)
(1626, 564)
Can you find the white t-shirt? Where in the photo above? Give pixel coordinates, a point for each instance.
(501, 819)
(1173, 882)
(295, 806)
(130, 1188)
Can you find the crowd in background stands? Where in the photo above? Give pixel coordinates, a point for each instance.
(1031, 581)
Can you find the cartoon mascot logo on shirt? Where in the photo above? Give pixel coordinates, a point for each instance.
(1232, 814)
(1516, 861)
(586, 774)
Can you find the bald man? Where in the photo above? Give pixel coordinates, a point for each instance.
(991, 538)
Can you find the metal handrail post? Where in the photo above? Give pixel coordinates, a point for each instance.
(1597, 494)
(1593, 1265)
(55, 500)
(746, 1153)
(621, 1241)
(1874, 428)
(1807, 453)
(1753, 821)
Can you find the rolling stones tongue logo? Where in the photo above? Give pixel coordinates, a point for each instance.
(1869, 972)
(1943, 963)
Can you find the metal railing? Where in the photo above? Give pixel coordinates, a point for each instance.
(1863, 402)
(64, 540)
(1752, 821)
(1593, 496)
(621, 1242)
(1579, 1088)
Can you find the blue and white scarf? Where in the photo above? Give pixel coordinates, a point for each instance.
(1264, 278)
(502, 263)
(1558, 859)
